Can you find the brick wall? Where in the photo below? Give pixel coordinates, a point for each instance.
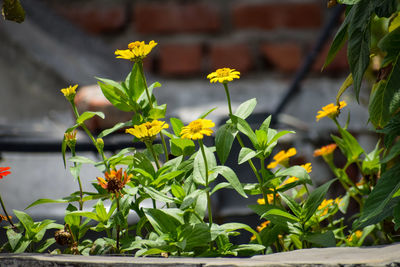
(196, 37)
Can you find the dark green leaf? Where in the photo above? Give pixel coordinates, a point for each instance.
(292, 204)
(223, 141)
(162, 221)
(386, 8)
(13, 10)
(338, 42)
(231, 177)
(326, 239)
(245, 128)
(195, 235)
(314, 200)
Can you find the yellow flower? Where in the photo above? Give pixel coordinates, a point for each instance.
(261, 201)
(253, 237)
(262, 226)
(325, 150)
(270, 198)
(70, 138)
(331, 110)
(282, 158)
(69, 92)
(136, 50)
(223, 75)
(325, 206)
(357, 234)
(148, 130)
(293, 179)
(196, 129)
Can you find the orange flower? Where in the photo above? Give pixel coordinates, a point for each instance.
(282, 158)
(262, 226)
(4, 172)
(114, 181)
(325, 150)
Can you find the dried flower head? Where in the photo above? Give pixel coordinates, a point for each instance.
(223, 75)
(136, 50)
(197, 129)
(63, 237)
(331, 110)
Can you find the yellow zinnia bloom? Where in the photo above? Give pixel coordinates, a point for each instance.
(196, 129)
(331, 110)
(148, 130)
(223, 75)
(325, 204)
(136, 50)
(69, 92)
(282, 158)
(325, 150)
(357, 234)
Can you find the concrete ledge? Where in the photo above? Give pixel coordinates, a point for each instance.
(366, 256)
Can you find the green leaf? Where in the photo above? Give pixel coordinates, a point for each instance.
(75, 170)
(80, 159)
(246, 108)
(348, 2)
(296, 171)
(26, 221)
(246, 154)
(115, 93)
(178, 191)
(326, 239)
(195, 235)
(396, 216)
(13, 10)
(207, 113)
(231, 177)
(101, 211)
(183, 147)
(385, 8)
(88, 115)
(157, 195)
(13, 238)
(45, 245)
(277, 136)
(223, 141)
(338, 42)
(292, 204)
(177, 125)
(359, 41)
(199, 168)
(387, 186)
(229, 227)
(162, 179)
(348, 145)
(115, 128)
(162, 221)
(87, 214)
(346, 84)
(244, 128)
(391, 130)
(134, 82)
(314, 200)
(394, 152)
(158, 112)
(279, 217)
(47, 200)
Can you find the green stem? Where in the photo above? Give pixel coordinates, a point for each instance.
(101, 152)
(260, 180)
(79, 183)
(164, 146)
(140, 64)
(228, 98)
(118, 226)
(150, 147)
(210, 219)
(5, 212)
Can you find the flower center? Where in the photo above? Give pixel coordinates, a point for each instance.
(196, 126)
(134, 45)
(221, 73)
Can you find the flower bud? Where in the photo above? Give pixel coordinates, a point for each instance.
(100, 143)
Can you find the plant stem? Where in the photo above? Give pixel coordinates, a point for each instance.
(228, 98)
(5, 212)
(79, 183)
(118, 226)
(164, 147)
(150, 147)
(140, 65)
(101, 152)
(210, 219)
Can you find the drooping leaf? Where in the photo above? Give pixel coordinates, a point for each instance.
(115, 128)
(88, 115)
(246, 154)
(223, 141)
(246, 108)
(346, 84)
(231, 177)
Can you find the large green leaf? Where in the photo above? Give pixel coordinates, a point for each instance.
(246, 108)
(231, 177)
(116, 95)
(385, 99)
(280, 217)
(314, 200)
(199, 167)
(244, 128)
(246, 154)
(338, 42)
(296, 171)
(359, 41)
(195, 235)
(385, 8)
(162, 221)
(387, 185)
(115, 128)
(326, 239)
(183, 147)
(224, 139)
(135, 83)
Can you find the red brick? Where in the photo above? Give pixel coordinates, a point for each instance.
(234, 56)
(95, 19)
(180, 59)
(269, 16)
(338, 65)
(284, 56)
(171, 17)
